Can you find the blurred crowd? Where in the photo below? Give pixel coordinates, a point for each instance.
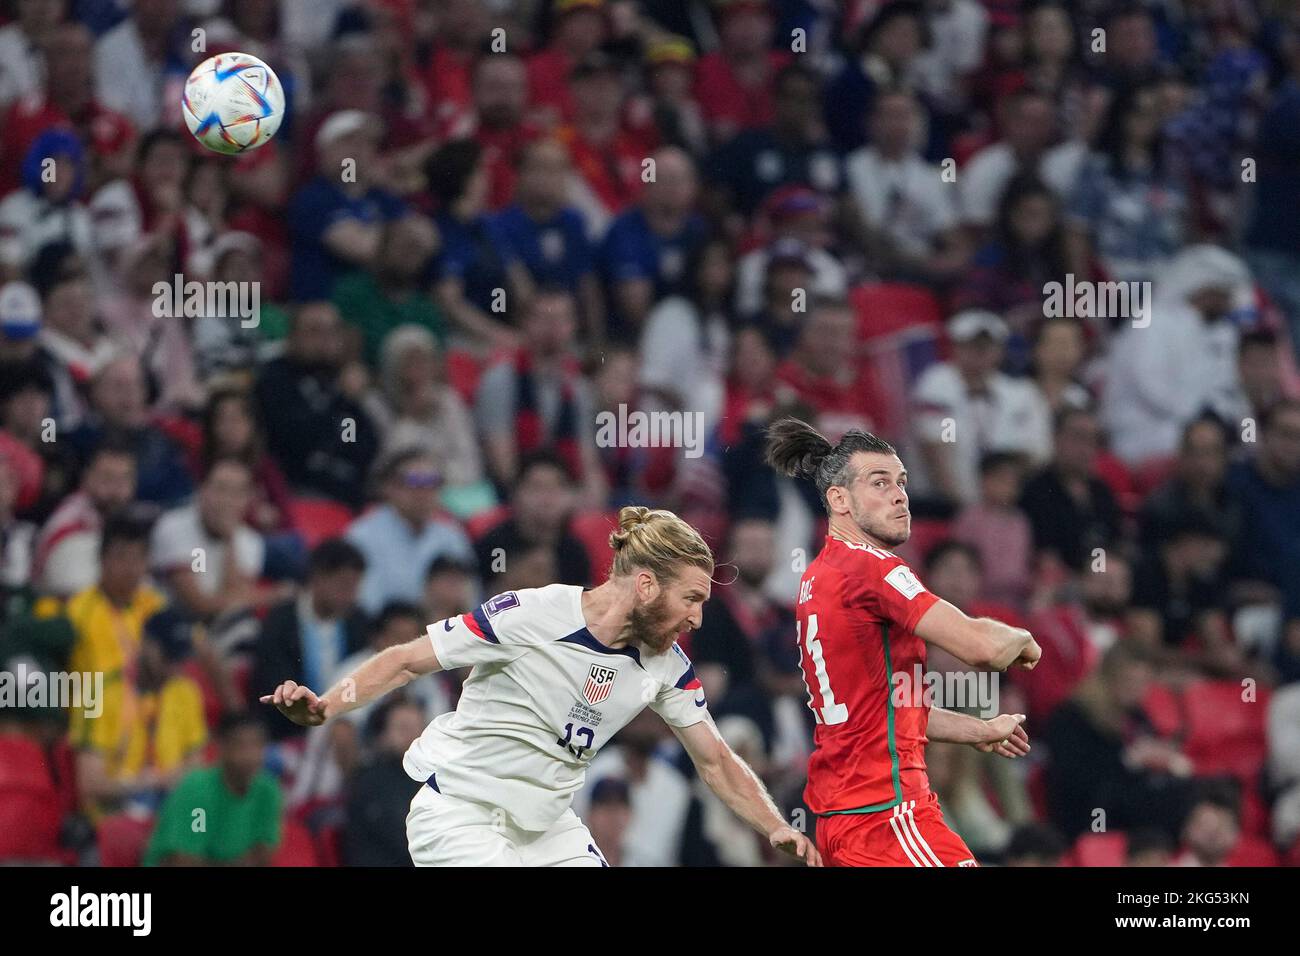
(1050, 250)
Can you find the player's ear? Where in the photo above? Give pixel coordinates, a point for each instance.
(647, 585)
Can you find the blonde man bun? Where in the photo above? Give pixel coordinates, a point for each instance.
(658, 541)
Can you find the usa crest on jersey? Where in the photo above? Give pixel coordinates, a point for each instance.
(600, 681)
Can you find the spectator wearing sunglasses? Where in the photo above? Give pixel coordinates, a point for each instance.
(404, 534)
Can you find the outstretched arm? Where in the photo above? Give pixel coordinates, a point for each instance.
(1002, 735)
(388, 670)
(979, 642)
(740, 789)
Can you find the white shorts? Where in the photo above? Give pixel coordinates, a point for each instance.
(447, 831)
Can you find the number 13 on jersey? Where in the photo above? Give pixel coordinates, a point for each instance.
(810, 658)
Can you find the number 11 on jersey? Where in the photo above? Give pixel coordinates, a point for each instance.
(810, 649)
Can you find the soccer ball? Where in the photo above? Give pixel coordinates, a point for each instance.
(233, 102)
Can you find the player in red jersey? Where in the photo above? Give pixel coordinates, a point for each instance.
(864, 620)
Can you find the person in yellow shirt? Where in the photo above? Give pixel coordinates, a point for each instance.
(151, 727)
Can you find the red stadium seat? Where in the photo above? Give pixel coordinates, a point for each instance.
(593, 529)
(901, 327)
(926, 533)
(318, 518)
(122, 840)
(476, 526)
(297, 848)
(1164, 709)
(31, 810)
(463, 371)
(1225, 735)
(1253, 851)
(1101, 849)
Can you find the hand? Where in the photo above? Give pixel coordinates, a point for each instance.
(1029, 656)
(789, 840)
(298, 703)
(1006, 737)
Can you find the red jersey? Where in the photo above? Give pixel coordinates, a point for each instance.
(858, 606)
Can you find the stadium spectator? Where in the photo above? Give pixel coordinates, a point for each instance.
(1130, 209)
(1195, 489)
(999, 530)
(1107, 755)
(1261, 359)
(228, 344)
(826, 374)
(548, 236)
(131, 757)
(1072, 511)
(882, 53)
(733, 84)
(69, 543)
(646, 250)
(306, 637)
(241, 803)
(739, 636)
(1034, 845)
(501, 123)
(155, 39)
(1168, 365)
(1264, 491)
(416, 408)
(1079, 624)
(1212, 828)
(374, 833)
(479, 282)
(400, 536)
(393, 294)
(210, 559)
(684, 350)
(20, 48)
(1147, 847)
(608, 817)
(448, 588)
(965, 408)
(73, 346)
(50, 205)
(1026, 147)
(17, 537)
(1057, 359)
(145, 211)
(607, 157)
(658, 793)
(578, 28)
(536, 398)
(798, 213)
(540, 509)
(670, 64)
(230, 431)
(337, 219)
(1010, 272)
(109, 619)
(908, 215)
(792, 149)
(67, 99)
(308, 402)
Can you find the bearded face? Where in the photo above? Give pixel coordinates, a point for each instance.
(654, 625)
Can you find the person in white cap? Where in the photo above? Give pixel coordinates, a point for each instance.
(20, 321)
(1163, 371)
(967, 407)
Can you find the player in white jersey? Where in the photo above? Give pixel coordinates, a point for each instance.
(557, 671)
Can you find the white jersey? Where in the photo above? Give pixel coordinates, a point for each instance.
(542, 699)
